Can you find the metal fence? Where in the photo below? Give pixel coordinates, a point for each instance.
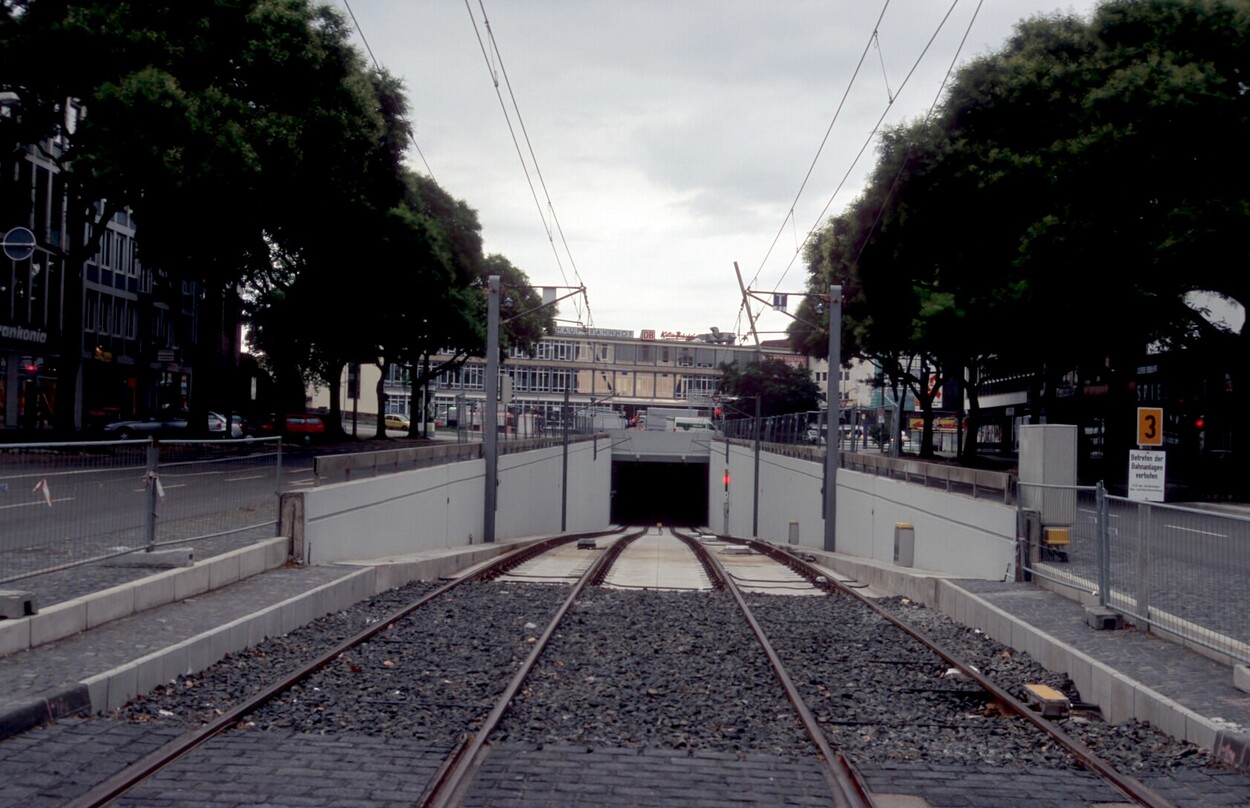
(67, 504)
(1177, 569)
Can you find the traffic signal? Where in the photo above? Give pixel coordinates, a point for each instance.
(726, 479)
(1199, 422)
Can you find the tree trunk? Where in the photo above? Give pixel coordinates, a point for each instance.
(335, 417)
(385, 367)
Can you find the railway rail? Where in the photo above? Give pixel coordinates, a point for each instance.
(536, 662)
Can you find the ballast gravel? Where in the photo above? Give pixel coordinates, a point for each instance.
(644, 668)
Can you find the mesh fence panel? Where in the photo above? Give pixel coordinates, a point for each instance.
(67, 504)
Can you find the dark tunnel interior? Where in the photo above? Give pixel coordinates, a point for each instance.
(672, 493)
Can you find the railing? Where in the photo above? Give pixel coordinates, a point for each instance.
(67, 504)
(980, 483)
(1175, 569)
(346, 467)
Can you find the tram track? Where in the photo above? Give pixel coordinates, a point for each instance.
(970, 716)
(669, 670)
(162, 758)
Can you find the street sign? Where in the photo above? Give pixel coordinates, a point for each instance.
(19, 243)
(1147, 471)
(1149, 426)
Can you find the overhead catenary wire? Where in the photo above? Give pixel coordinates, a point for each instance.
(886, 111)
(823, 142)
(507, 82)
(411, 129)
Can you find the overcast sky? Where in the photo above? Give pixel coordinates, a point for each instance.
(673, 136)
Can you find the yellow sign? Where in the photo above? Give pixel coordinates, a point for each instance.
(1149, 426)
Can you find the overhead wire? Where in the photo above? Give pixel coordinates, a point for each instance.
(927, 118)
(881, 119)
(411, 130)
(823, 142)
(547, 227)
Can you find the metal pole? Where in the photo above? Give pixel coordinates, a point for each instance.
(152, 496)
(1100, 499)
(491, 421)
(564, 468)
(278, 486)
(755, 481)
(834, 410)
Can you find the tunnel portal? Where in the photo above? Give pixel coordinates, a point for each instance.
(644, 493)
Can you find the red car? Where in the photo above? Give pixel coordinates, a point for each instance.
(304, 427)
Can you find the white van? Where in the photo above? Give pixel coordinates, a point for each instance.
(679, 424)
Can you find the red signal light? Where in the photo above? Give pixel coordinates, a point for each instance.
(726, 479)
(1200, 422)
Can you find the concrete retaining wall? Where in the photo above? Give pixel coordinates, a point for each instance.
(955, 534)
(441, 507)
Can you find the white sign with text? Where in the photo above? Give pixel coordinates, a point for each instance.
(1146, 473)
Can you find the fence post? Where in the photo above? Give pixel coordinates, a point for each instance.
(1143, 563)
(1101, 545)
(151, 487)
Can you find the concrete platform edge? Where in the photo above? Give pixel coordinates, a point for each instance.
(66, 619)
(64, 701)
(112, 689)
(1120, 697)
(362, 580)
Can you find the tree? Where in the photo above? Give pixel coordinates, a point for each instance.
(1069, 192)
(229, 129)
(781, 387)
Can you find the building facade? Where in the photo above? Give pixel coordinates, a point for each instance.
(130, 325)
(602, 369)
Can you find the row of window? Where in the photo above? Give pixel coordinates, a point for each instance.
(568, 350)
(106, 314)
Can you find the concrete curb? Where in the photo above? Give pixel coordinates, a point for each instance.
(62, 702)
(1118, 696)
(66, 619)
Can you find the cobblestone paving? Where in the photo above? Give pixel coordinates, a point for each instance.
(269, 768)
(48, 766)
(528, 777)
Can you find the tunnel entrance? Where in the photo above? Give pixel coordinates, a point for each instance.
(646, 493)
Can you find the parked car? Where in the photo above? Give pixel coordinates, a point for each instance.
(303, 427)
(393, 420)
(166, 424)
(241, 427)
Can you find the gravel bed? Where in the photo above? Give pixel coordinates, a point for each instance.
(654, 669)
(881, 697)
(1132, 746)
(201, 697)
(432, 677)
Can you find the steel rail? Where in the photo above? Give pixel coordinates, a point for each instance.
(714, 573)
(1131, 787)
(845, 783)
(154, 761)
(452, 779)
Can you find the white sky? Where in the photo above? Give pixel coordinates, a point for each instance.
(672, 135)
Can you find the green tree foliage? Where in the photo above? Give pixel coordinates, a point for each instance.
(232, 130)
(1069, 192)
(781, 387)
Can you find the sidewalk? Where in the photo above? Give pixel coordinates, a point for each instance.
(94, 653)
